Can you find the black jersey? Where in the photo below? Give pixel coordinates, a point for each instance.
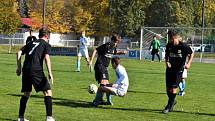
(34, 54)
(30, 38)
(177, 54)
(105, 53)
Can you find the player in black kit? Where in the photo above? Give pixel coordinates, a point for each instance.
(176, 54)
(35, 52)
(31, 37)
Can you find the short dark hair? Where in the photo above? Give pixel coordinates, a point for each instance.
(44, 31)
(115, 38)
(115, 60)
(172, 33)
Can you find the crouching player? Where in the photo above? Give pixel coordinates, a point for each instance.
(119, 87)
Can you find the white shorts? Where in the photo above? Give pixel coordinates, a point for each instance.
(184, 75)
(119, 92)
(83, 52)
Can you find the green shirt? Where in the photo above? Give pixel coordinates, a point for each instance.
(155, 44)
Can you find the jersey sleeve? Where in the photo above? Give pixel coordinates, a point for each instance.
(101, 49)
(47, 49)
(24, 49)
(34, 38)
(188, 49)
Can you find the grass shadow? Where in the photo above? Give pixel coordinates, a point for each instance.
(195, 113)
(74, 103)
(6, 119)
(159, 93)
(86, 104)
(9, 64)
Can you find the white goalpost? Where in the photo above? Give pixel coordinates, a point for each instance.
(191, 35)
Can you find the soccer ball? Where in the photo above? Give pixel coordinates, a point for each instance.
(92, 88)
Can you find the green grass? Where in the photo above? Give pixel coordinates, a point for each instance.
(144, 101)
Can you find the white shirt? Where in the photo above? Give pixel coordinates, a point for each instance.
(121, 78)
(84, 43)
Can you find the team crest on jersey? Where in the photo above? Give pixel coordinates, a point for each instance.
(108, 55)
(104, 76)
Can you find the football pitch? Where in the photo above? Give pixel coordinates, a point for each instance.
(144, 101)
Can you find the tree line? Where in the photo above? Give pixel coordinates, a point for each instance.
(102, 17)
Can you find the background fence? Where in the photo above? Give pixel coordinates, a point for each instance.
(138, 48)
(204, 47)
(61, 45)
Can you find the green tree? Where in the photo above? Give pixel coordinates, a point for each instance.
(170, 13)
(128, 16)
(209, 12)
(9, 18)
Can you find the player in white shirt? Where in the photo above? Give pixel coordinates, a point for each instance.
(119, 87)
(82, 51)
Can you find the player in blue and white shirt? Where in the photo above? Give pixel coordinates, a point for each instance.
(83, 51)
(119, 87)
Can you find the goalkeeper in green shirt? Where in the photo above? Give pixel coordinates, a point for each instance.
(155, 46)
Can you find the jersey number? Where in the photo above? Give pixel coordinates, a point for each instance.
(35, 45)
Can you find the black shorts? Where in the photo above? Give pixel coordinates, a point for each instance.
(173, 77)
(101, 72)
(35, 78)
(154, 51)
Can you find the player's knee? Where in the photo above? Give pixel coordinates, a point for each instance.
(48, 93)
(174, 90)
(104, 82)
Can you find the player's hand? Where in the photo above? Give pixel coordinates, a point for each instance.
(90, 63)
(125, 51)
(168, 65)
(187, 66)
(18, 71)
(50, 76)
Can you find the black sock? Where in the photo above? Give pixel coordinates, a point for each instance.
(102, 84)
(168, 94)
(22, 106)
(171, 98)
(48, 103)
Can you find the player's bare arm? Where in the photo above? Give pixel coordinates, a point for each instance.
(93, 56)
(48, 65)
(121, 52)
(18, 61)
(190, 58)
